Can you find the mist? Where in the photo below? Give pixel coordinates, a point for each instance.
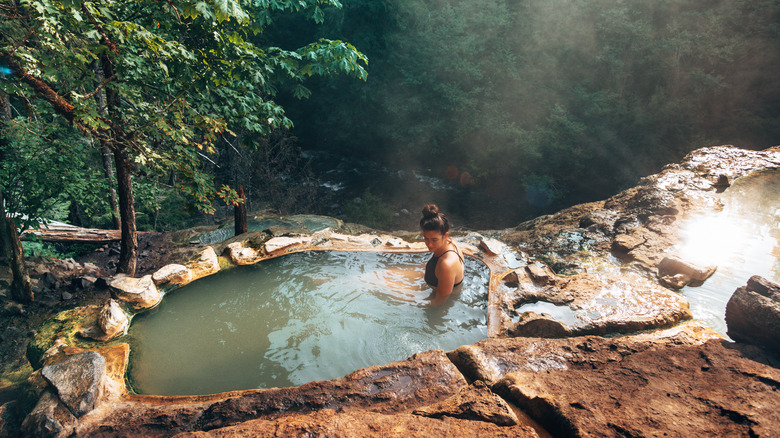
(525, 107)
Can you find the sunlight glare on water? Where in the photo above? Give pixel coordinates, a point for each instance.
(742, 240)
(302, 317)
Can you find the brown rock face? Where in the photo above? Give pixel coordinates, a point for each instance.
(477, 402)
(424, 379)
(753, 314)
(362, 424)
(715, 390)
(674, 382)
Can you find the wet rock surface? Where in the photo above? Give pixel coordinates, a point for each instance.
(753, 314)
(592, 303)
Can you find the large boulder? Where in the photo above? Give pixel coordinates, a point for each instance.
(173, 273)
(206, 264)
(753, 314)
(79, 381)
(140, 292)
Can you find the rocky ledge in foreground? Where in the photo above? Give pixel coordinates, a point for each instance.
(610, 265)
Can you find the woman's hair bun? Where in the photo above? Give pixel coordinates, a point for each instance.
(430, 210)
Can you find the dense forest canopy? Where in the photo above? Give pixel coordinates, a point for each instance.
(521, 106)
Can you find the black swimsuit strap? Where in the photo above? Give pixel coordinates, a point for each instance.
(456, 253)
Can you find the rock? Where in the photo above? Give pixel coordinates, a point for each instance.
(596, 304)
(82, 283)
(677, 273)
(9, 421)
(492, 247)
(395, 242)
(241, 255)
(603, 221)
(112, 320)
(535, 325)
(423, 379)
(141, 292)
(615, 387)
(206, 264)
(476, 402)
(67, 296)
(753, 314)
(364, 424)
(541, 275)
(172, 274)
(48, 282)
(79, 381)
(49, 418)
(280, 243)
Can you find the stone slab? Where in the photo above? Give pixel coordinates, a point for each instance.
(423, 379)
(362, 424)
(714, 389)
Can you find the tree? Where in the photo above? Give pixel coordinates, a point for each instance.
(177, 76)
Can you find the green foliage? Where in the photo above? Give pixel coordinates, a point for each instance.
(368, 210)
(47, 165)
(187, 74)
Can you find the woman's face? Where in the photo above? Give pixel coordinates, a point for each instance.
(435, 240)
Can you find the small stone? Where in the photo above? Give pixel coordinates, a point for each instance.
(540, 275)
(491, 246)
(672, 265)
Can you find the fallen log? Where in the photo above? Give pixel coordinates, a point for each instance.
(65, 233)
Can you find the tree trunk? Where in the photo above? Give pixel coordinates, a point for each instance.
(21, 290)
(10, 245)
(100, 98)
(239, 211)
(128, 254)
(128, 246)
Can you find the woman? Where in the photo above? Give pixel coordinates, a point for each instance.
(444, 271)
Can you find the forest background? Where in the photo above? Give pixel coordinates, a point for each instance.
(518, 107)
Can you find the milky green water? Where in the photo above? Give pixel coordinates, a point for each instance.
(742, 240)
(298, 318)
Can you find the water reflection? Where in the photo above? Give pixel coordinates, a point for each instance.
(743, 239)
(298, 318)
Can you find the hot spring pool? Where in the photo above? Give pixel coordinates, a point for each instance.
(298, 318)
